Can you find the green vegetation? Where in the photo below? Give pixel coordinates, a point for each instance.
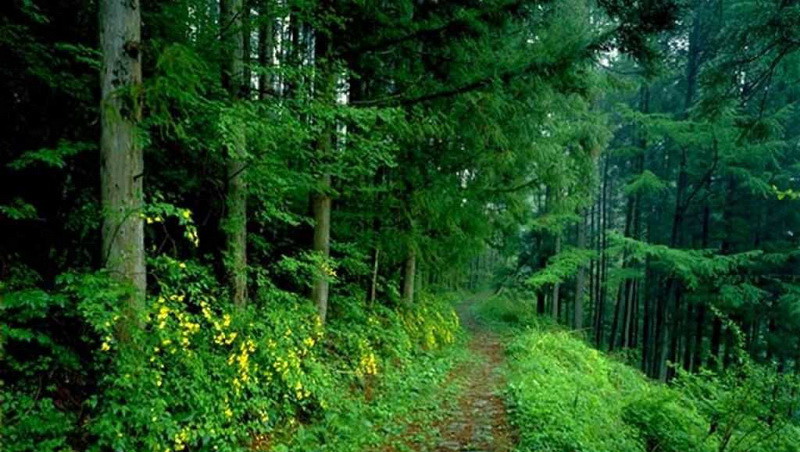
(234, 225)
(565, 395)
(209, 378)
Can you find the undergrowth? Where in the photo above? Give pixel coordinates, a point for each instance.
(205, 376)
(566, 396)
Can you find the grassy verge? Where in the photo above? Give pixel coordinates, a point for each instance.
(566, 396)
(399, 413)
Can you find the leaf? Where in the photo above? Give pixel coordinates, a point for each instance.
(18, 210)
(51, 157)
(646, 182)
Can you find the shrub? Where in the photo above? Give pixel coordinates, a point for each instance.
(567, 396)
(201, 375)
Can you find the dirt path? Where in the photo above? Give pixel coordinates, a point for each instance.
(478, 422)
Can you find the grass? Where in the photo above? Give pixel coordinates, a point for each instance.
(565, 396)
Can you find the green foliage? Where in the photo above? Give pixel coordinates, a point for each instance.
(201, 375)
(691, 266)
(18, 210)
(560, 267)
(753, 407)
(645, 183)
(445, 128)
(565, 395)
(54, 158)
(507, 310)
(30, 424)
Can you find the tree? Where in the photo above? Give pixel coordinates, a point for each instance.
(122, 167)
(233, 28)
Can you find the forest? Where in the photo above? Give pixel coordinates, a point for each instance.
(400, 225)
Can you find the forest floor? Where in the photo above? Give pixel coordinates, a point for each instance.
(478, 421)
(470, 413)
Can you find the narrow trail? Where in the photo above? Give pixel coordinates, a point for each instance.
(478, 422)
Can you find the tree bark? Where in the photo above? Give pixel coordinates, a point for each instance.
(122, 162)
(409, 272)
(603, 216)
(321, 199)
(266, 48)
(556, 287)
(321, 205)
(235, 221)
(580, 279)
(697, 343)
(373, 287)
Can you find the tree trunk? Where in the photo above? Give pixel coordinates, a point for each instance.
(697, 355)
(622, 310)
(235, 221)
(726, 247)
(122, 163)
(697, 343)
(556, 286)
(373, 287)
(602, 270)
(647, 321)
(321, 199)
(580, 279)
(266, 48)
(619, 307)
(689, 336)
(409, 272)
(716, 341)
(629, 322)
(321, 206)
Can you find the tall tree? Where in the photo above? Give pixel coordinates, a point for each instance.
(122, 164)
(232, 32)
(321, 200)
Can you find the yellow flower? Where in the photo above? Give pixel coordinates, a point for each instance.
(105, 347)
(163, 313)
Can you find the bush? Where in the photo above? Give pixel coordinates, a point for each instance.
(507, 310)
(200, 375)
(566, 396)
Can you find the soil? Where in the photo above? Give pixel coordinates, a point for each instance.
(478, 422)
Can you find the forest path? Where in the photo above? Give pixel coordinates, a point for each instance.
(478, 422)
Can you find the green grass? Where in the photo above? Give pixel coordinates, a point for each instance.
(566, 396)
(400, 414)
